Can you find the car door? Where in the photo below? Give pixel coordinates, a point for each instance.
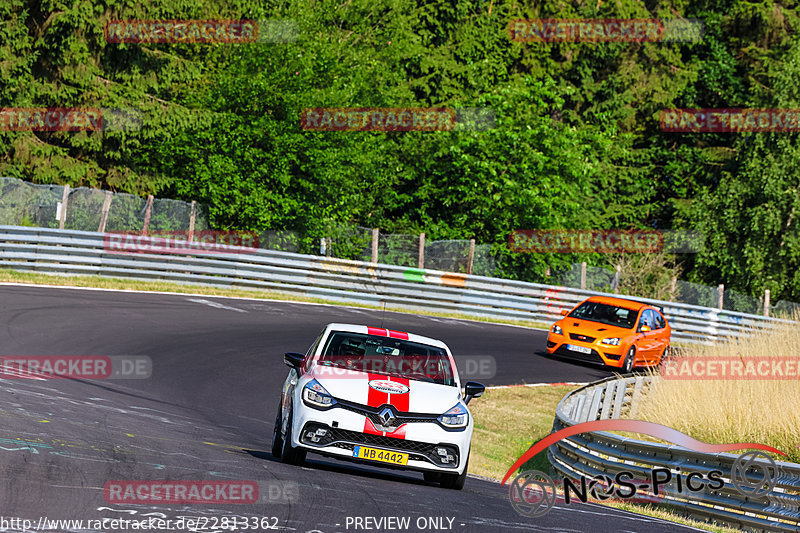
(662, 334)
(646, 342)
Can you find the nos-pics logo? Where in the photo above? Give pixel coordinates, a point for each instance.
(533, 493)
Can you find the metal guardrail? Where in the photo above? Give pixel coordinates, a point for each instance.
(602, 453)
(81, 252)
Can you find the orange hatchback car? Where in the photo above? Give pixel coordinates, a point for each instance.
(611, 331)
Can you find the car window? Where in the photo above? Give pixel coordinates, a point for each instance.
(386, 355)
(647, 319)
(660, 322)
(605, 314)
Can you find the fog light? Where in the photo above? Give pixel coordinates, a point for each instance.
(441, 451)
(322, 432)
(449, 458)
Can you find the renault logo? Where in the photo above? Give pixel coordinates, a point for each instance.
(387, 416)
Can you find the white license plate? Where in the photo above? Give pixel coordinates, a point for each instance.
(580, 349)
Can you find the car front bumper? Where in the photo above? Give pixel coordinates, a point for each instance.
(600, 354)
(344, 430)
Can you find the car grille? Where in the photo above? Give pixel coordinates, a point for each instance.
(400, 417)
(583, 338)
(345, 439)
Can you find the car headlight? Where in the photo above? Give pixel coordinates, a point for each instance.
(457, 417)
(315, 395)
(611, 341)
(556, 329)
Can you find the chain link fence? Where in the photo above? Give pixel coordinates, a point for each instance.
(403, 249)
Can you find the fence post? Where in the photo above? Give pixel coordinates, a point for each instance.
(148, 210)
(471, 256)
(104, 213)
(421, 260)
(192, 217)
(721, 290)
(766, 302)
(673, 289)
(615, 283)
(323, 246)
(63, 215)
(375, 236)
(583, 275)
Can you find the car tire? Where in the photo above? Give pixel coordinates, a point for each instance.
(432, 477)
(277, 438)
(455, 481)
(666, 354)
(627, 365)
(290, 454)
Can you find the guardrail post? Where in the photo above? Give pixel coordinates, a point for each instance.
(583, 275)
(721, 290)
(148, 210)
(192, 217)
(104, 213)
(62, 216)
(323, 246)
(673, 289)
(471, 256)
(375, 236)
(421, 260)
(766, 302)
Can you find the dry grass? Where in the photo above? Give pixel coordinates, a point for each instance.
(730, 410)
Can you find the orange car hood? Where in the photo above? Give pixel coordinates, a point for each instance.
(594, 329)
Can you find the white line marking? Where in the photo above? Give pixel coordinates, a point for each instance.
(215, 304)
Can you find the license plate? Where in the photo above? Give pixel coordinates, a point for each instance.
(384, 456)
(580, 349)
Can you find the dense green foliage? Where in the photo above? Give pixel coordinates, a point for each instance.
(576, 143)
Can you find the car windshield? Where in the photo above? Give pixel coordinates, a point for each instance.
(613, 315)
(384, 355)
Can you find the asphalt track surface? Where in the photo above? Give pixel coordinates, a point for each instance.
(207, 411)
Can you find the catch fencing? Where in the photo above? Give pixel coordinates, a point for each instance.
(80, 252)
(602, 453)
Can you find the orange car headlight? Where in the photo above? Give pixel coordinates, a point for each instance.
(611, 341)
(556, 329)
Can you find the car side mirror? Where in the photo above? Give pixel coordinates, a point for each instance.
(644, 329)
(473, 389)
(565, 312)
(293, 359)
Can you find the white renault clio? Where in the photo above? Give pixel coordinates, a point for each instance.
(377, 396)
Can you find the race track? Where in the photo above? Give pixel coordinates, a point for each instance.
(207, 412)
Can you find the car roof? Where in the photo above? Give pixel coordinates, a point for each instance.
(384, 332)
(622, 302)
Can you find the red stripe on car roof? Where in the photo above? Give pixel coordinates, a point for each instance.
(378, 331)
(398, 334)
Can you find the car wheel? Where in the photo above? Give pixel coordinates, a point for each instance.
(277, 438)
(290, 454)
(627, 366)
(455, 481)
(666, 354)
(432, 477)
